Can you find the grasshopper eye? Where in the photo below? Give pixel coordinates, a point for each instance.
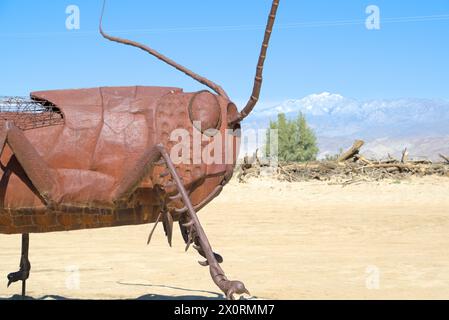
(205, 112)
(232, 114)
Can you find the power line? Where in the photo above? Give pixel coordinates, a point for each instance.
(233, 28)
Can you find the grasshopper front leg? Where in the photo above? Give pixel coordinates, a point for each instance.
(199, 237)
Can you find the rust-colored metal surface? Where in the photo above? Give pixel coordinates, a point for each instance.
(103, 157)
(90, 161)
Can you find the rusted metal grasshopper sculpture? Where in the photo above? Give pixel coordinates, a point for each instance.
(95, 158)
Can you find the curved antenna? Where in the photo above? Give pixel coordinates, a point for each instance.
(258, 80)
(219, 90)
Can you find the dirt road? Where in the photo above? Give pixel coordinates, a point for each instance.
(285, 241)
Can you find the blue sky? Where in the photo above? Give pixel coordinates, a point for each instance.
(311, 51)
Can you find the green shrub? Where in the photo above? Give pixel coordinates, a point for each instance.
(296, 140)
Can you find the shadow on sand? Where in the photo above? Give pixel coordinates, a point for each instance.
(209, 295)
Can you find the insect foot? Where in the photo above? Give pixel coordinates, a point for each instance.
(229, 288)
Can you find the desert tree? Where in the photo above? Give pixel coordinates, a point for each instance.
(296, 140)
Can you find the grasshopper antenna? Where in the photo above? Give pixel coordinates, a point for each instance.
(258, 80)
(219, 90)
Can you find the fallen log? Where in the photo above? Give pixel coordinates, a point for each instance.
(444, 158)
(361, 158)
(392, 165)
(355, 149)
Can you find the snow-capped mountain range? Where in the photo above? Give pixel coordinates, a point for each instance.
(388, 126)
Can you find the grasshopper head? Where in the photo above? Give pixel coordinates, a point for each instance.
(204, 106)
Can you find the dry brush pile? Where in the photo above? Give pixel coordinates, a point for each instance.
(350, 167)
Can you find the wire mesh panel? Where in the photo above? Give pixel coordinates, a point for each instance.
(29, 114)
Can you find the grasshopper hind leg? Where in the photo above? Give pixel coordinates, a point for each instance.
(25, 266)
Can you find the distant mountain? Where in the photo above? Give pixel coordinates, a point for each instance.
(387, 126)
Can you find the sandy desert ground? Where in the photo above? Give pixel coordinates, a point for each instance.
(285, 241)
